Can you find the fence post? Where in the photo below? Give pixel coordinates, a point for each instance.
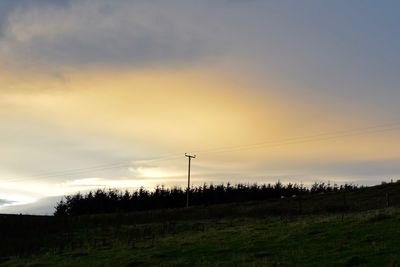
(344, 204)
(387, 200)
(300, 205)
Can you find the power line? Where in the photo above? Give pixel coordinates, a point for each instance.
(89, 169)
(259, 145)
(317, 137)
(110, 165)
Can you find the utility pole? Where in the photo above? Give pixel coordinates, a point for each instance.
(190, 157)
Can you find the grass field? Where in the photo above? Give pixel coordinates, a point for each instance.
(272, 233)
(361, 239)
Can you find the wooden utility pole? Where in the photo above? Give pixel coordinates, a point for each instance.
(188, 186)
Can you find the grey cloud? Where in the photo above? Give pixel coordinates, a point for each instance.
(96, 33)
(372, 169)
(5, 201)
(9, 6)
(366, 172)
(44, 206)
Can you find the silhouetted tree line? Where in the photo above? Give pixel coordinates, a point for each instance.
(113, 200)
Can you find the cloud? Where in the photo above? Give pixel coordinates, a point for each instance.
(44, 206)
(5, 201)
(92, 82)
(7, 7)
(99, 33)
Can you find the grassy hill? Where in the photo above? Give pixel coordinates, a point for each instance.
(337, 229)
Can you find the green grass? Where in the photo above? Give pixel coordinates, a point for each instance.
(369, 238)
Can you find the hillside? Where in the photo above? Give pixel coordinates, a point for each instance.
(336, 229)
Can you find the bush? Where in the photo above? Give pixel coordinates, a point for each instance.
(112, 200)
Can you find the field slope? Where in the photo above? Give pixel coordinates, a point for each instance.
(360, 239)
(323, 232)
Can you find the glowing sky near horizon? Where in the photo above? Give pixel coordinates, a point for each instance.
(136, 84)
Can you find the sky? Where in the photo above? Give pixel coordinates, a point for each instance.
(112, 94)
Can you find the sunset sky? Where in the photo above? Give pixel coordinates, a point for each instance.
(100, 94)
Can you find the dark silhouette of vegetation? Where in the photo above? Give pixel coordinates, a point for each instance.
(23, 235)
(112, 200)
